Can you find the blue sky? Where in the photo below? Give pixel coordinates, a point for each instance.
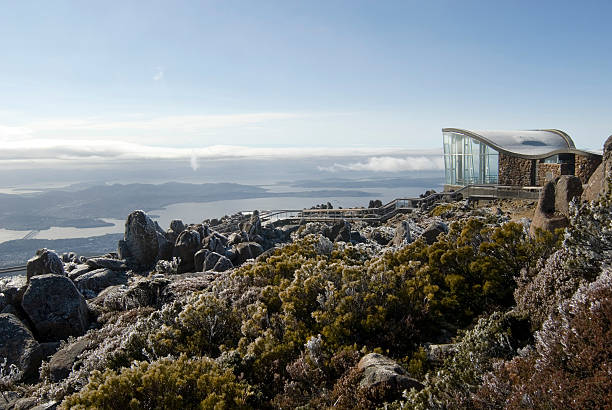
(367, 75)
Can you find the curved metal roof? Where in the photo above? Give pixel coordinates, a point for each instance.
(531, 144)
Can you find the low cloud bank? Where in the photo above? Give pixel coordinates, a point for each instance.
(56, 150)
(391, 164)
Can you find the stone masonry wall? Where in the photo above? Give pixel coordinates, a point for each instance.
(514, 171)
(548, 172)
(585, 166)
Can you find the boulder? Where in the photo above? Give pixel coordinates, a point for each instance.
(139, 246)
(18, 346)
(380, 372)
(43, 263)
(108, 263)
(176, 227)
(91, 283)
(431, 233)
(55, 307)
(211, 260)
(235, 239)
(13, 289)
(215, 242)
(247, 250)
(567, 188)
(598, 182)
(223, 264)
(65, 359)
(187, 244)
(199, 258)
(253, 226)
(545, 217)
(79, 270)
(596, 185)
(145, 292)
(340, 232)
(166, 248)
(402, 234)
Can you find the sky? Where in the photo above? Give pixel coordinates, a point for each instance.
(213, 79)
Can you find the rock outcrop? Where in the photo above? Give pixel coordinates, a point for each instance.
(381, 372)
(552, 210)
(402, 234)
(18, 346)
(91, 283)
(253, 226)
(55, 307)
(44, 262)
(247, 250)
(185, 248)
(139, 246)
(598, 182)
(431, 233)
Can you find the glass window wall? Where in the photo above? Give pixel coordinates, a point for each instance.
(468, 161)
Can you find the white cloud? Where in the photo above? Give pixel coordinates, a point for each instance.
(194, 161)
(392, 164)
(54, 150)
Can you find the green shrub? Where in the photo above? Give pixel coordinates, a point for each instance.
(166, 383)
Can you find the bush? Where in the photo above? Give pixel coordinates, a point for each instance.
(569, 366)
(166, 383)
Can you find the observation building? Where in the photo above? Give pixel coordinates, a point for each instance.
(513, 158)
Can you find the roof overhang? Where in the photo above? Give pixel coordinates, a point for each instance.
(564, 145)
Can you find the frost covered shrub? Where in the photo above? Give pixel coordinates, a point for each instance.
(452, 386)
(587, 246)
(570, 364)
(205, 325)
(538, 295)
(166, 383)
(589, 236)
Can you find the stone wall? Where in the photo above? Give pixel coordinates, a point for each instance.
(515, 171)
(585, 166)
(548, 172)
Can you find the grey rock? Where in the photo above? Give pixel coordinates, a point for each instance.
(108, 263)
(13, 289)
(100, 279)
(187, 244)
(223, 264)
(4, 301)
(234, 239)
(166, 248)
(79, 270)
(545, 217)
(253, 226)
(64, 360)
(596, 185)
(139, 246)
(340, 232)
(215, 242)
(247, 250)
(402, 234)
(379, 370)
(567, 188)
(18, 346)
(199, 258)
(211, 260)
(431, 233)
(44, 262)
(145, 292)
(437, 353)
(55, 307)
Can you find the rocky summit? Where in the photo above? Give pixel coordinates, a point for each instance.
(447, 306)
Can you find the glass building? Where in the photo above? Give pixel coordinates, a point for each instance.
(473, 157)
